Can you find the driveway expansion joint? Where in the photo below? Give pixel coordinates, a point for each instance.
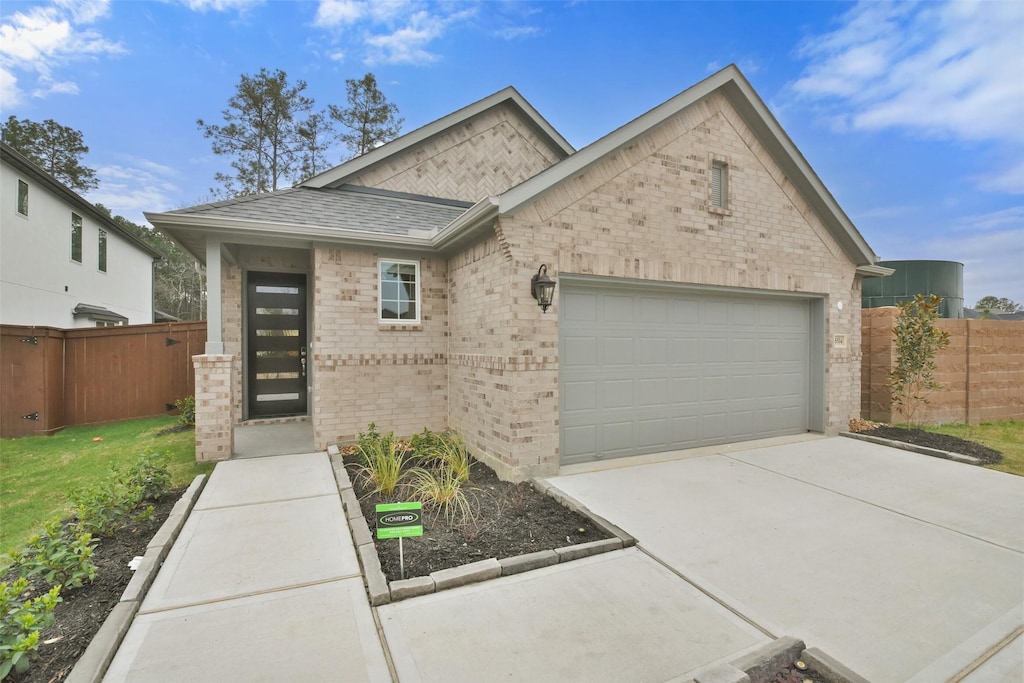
(876, 505)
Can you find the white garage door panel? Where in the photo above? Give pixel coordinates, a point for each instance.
(643, 372)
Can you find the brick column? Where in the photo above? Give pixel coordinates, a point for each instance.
(215, 430)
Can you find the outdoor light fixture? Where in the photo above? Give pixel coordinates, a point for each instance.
(542, 288)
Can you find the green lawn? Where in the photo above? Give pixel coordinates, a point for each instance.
(1005, 437)
(37, 472)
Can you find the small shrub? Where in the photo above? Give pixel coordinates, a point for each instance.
(451, 451)
(382, 460)
(186, 411)
(20, 624)
(60, 558)
(106, 507)
(442, 490)
(148, 477)
(103, 508)
(425, 444)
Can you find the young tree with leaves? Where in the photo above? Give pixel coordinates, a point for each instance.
(369, 117)
(260, 132)
(56, 149)
(917, 342)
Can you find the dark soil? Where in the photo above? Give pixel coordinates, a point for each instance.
(508, 520)
(790, 674)
(941, 442)
(81, 613)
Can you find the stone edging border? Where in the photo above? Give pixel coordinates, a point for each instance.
(93, 664)
(382, 592)
(761, 664)
(923, 450)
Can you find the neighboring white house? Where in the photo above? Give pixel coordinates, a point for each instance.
(63, 262)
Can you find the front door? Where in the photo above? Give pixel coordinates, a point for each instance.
(276, 357)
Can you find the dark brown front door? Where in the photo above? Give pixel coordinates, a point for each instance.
(276, 355)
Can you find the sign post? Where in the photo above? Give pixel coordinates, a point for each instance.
(398, 520)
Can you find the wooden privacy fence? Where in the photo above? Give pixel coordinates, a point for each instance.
(981, 371)
(55, 378)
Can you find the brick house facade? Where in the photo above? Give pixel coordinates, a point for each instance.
(708, 285)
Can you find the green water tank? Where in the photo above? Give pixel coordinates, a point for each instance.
(944, 278)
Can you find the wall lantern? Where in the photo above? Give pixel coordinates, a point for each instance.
(542, 288)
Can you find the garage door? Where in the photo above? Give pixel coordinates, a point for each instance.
(645, 370)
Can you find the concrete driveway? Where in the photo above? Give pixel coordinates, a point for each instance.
(902, 566)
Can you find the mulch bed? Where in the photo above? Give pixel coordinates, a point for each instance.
(508, 520)
(941, 442)
(83, 610)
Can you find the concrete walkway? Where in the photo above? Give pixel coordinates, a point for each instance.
(901, 566)
(262, 585)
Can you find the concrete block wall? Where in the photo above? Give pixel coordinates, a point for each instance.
(982, 371)
(484, 156)
(642, 213)
(394, 375)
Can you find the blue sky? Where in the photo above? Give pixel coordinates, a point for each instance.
(911, 113)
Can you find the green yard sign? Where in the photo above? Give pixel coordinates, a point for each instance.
(399, 520)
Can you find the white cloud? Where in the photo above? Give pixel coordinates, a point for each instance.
(55, 88)
(135, 186)
(392, 31)
(43, 39)
(10, 93)
(1009, 180)
(517, 32)
(950, 69)
(221, 5)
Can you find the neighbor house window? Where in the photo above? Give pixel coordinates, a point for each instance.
(399, 291)
(103, 251)
(719, 184)
(76, 238)
(22, 197)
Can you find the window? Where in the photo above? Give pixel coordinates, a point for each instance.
(103, 251)
(22, 197)
(76, 238)
(399, 291)
(720, 184)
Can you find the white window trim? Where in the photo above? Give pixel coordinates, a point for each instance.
(380, 294)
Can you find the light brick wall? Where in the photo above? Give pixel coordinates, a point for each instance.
(982, 371)
(642, 213)
(365, 371)
(215, 434)
(484, 156)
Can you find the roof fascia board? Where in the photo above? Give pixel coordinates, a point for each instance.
(754, 112)
(24, 165)
(339, 174)
(760, 119)
(479, 216)
(874, 271)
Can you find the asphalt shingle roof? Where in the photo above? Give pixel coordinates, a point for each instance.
(344, 208)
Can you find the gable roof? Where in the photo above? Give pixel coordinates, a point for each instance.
(28, 168)
(339, 175)
(731, 83)
(333, 215)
